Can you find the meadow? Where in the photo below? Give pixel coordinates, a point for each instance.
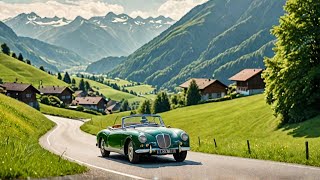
(67, 113)
(231, 124)
(21, 155)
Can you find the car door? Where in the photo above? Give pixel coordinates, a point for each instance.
(116, 139)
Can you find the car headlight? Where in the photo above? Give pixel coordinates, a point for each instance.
(142, 138)
(184, 136)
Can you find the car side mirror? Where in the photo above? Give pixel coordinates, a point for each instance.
(168, 126)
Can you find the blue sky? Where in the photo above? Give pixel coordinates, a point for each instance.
(88, 8)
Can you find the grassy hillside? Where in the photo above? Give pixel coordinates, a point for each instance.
(110, 92)
(12, 68)
(141, 89)
(234, 122)
(55, 111)
(21, 155)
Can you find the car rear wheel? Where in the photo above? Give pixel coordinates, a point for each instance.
(132, 155)
(103, 151)
(180, 156)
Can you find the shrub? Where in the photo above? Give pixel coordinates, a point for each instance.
(79, 108)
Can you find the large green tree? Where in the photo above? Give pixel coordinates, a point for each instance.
(5, 49)
(193, 95)
(67, 78)
(82, 85)
(145, 107)
(293, 75)
(124, 106)
(161, 103)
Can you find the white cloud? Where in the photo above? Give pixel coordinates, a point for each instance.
(178, 8)
(71, 9)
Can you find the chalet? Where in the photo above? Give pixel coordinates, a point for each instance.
(63, 93)
(22, 92)
(94, 103)
(209, 88)
(80, 93)
(249, 81)
(112, 106)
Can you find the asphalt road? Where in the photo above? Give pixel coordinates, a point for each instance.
(67, 139)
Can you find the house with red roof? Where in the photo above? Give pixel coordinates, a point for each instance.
(22, 92)
(249, 81)
(209, 88)
(94, 103)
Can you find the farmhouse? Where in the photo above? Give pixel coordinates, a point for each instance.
(80, 93)
(249, 81)
(22, 92)
(63, 93)
(112, 106)
(94, 103)
(209, 88)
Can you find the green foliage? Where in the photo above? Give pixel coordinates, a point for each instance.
(59, 76)
(66, 78)
(293, 74)
(161, 103)
(193, 95)
(73, 82)
(62, 112)
(14, 55)
(55, 101)
(82, 85)
(87, 86)
(1, 81)
(124, 106)
(80, 108)
(28, 61)
(20, 57)
(21, 155)
(145, 107)
(42, 68)
(5, 49)
(45, 100)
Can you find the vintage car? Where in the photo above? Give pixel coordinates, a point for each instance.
(139, 135)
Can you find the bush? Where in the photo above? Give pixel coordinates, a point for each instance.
(80, 108)
(54, 101)
(45, 100)
(90, 111)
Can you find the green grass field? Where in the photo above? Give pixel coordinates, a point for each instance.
(67, 113)
(119, 82)
(12, 68)
(141, 89)
(234, 122)
(110, 92)
(21, 155)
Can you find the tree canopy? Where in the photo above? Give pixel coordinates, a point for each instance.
(5, 49)
(82, 85)
(193, 95)
(59, 76)
(145, 107)
(293, 75)
(20, 57)
(67, 78)
(161, 103)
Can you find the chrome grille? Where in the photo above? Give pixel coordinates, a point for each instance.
(163, 140)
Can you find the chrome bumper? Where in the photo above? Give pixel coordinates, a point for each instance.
(150, 150)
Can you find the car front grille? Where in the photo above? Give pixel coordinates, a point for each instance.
(163, 140)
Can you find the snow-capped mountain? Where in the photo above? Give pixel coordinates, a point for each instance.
(31, 25)
(96, 38)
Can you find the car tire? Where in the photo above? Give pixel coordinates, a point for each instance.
(132, 155)
(103, 151)
(180, 156)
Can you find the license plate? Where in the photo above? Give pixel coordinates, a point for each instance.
(166, 151)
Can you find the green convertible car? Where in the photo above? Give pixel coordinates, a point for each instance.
(140, 135)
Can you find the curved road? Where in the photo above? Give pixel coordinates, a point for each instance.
(68, 140)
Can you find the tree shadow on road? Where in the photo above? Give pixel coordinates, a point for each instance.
(308, 129)
(152, 162)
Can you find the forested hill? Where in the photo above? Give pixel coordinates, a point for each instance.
(218, 38)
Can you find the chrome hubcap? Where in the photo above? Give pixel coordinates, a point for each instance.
(102, 145)
(130, 151)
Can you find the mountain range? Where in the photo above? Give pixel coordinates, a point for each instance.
(214, 40)
(105, 65)
(53, 58)
(95, 38)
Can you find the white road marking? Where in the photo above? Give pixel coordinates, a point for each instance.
(87, 164)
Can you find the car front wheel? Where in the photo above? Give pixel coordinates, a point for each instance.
(180, 156)
(132, 155)
(103, 151)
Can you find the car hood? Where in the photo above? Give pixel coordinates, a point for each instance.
(154, 131)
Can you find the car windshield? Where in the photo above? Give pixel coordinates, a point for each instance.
(142, 120)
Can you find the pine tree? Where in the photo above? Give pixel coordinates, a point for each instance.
(28, 61)
(293, 75)
(124, 106)
(161, 103)
(14, 55)
(87, 86)
(41, 68)
(59, 76)
(67, 78)
(193, 95)
(82, 85)
(20, 57)
(5, 49)
(73, 82)
(145, 107)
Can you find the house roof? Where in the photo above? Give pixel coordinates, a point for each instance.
(201, 82)
(114, 107)
(53, 89)
(76, 93)
(19, 87)
(111, 102)
(245, 74)
(88, 100)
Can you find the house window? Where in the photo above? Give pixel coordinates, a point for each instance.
(68, 97)
(63, 97)
(8, 94)
(28, 95)
(219, 95)
(31, 104)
